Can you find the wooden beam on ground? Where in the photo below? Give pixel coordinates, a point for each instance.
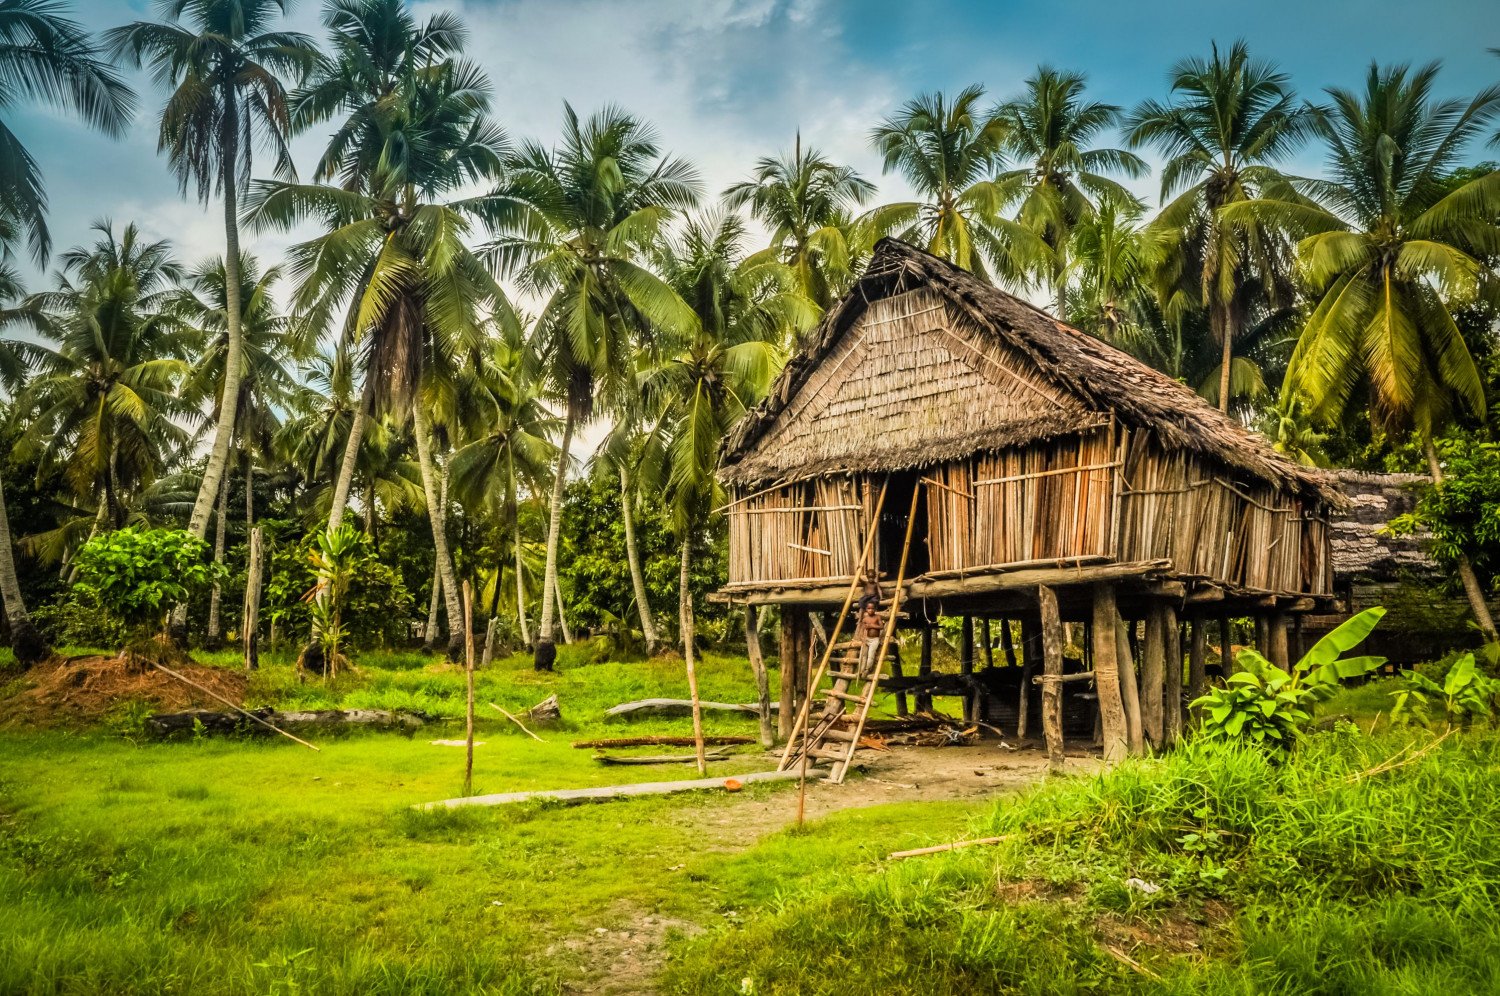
(682, 707)
(607, 792)
(1107, 675)
(1052, 651)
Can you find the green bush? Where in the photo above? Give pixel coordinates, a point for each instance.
(377, 605)
(137, 575)
(1465, 694)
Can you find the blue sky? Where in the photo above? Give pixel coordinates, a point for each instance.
(726, 81)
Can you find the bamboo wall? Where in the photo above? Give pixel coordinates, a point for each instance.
(1107, 494)
(812, 530)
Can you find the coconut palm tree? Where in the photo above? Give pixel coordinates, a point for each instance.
(395, 252)
(808, 203)
(27, 642)
(1230, 118)
(1387, 250)
(45, 56)
(225, 68)
(1060, 179)
(571, 225)
(745, 313)
(949, 152)
(634, 449)
(103, 403)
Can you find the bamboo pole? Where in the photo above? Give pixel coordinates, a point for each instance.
(469, 688)
(1052, 651)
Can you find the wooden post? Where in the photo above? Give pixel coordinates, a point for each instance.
(1052, 654)
(898, 672)
(1130, 693)
(1279, 654)
(1197, 654)
(469, 685)
(924, 670)
(1172, 727)
(1007, 643)
(1106, 673)
(250, 624)
(1226, 646)
(1031, 652)
(989, 646)
(1153, 676)
(762, 680)
(787, 651)
(1263, 637)
(966, 664)
(1299, 644)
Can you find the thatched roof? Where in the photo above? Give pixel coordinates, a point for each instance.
(1073, 381)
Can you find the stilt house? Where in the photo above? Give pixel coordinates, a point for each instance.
(1010, 454)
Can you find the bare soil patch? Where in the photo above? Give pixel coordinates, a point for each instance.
(74, 691)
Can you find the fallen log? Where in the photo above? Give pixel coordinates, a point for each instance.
(546, 711)
(207, 721)
(663, 742)
(608, 792)
(683, 707)
(716, 755)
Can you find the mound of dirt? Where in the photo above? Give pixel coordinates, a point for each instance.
(75, 691)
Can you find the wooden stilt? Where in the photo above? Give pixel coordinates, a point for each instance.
(989, 644)
(1226, 646)
(1197, 656)
(924, 669)
(1263, 637)
(1153, 677)
(1172, 704)
(1007, 643)
(1130, 694)
(1106, 673)
(1031, 652)
(966, 664)
(1276, 642)
(1299, 647)
(1052, 656)
(787, 650)
(762, 680)
(897, 672)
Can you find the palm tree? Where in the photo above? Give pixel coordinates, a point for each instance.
(395, 252)
(225, 71)
(264, 382)
(1061, 178)
(745, 313)
(1229, 119)
(104, 402)
(949, 152)
(1387, 250)
(48, 57)
(27, 642)
(1111, 261)
(808, 203)
(634, 449)
(571, 224)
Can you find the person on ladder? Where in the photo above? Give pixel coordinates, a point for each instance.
(870, 626)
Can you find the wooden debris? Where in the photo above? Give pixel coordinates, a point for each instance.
(244, 712)
(667, 707)
(546, 711)
(608, 792)
(522, 725)
(713, 755)
(662, 742)
(940, 848)
(166, 724)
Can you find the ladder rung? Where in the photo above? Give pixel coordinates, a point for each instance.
(826, 754)
(836, 734)
(846, 696)
(846, 675)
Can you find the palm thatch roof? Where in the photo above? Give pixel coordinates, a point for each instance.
(947, 404)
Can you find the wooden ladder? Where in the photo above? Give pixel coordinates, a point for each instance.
(828, 738)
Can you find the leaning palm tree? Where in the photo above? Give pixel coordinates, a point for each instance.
(395, 254)
(1387, 251)
(949, 152)
(1229, 120)
(808, 203)
(1049, 132)
(571, 225)
(225, 68)
(46, 56)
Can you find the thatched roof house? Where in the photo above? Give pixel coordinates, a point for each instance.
(1011, 464)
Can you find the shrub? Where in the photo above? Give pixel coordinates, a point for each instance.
(136, 575)
(1265, 704)
(1465, 694)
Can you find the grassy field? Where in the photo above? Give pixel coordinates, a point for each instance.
(252, 866)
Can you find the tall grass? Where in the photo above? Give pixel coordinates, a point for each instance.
(1299, 875)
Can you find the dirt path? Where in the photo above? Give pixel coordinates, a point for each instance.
(624, 962)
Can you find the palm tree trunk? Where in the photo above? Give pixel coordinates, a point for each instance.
(562, 612)
(211, 638)
(546, 647)
(515, 524)
(429, 639)
(26, 640)
(633, 556)
(436, 514)
(1219, 318)
(685, 624)
(229, 393)
(1472, 587)
(345, 481)
(494, 623)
